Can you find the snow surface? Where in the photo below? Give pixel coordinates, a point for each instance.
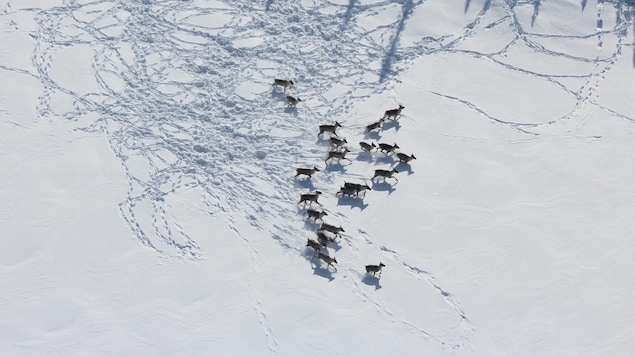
(148, 204)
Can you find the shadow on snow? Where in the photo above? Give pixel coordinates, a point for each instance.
(383, 186)
(353, 202)
(372, 281)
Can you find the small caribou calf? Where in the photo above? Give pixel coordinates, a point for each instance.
(307, 172)
(385, 174)
(315, 214)
(332, 229)
(284, 83)
(405, 158)
(292, 101)
(387, 148)
(313, 244)
(337, 142)
(393, 113)
(366, 146)
(310, 197)
(328, 260)
(373, 126)
(339, 155)
(372, 269)
(327, 128)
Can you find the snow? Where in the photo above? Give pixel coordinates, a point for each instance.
(148, 203)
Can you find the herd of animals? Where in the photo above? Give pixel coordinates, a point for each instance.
(327, 234)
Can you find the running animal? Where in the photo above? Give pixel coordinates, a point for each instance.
(315, 214)
(346, 191)
(337, 142)
(393, 113)
(353, 189)
(358, 187)
(284, 83)
(366, 146)
(327, 128)
(332, 229)
(373, 126)
(323, 239)
(310, 197)
(307, 172)
(292, 101)
(339, 155)
(387, 148)
(326, 259)
(372, 269)
(385, 174)
(405, 158)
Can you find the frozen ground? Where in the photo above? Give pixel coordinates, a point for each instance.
(148, 204)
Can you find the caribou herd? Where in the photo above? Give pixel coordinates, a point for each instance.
(327, 234)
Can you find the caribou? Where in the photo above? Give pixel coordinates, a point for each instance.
(310, 197)
(393, 113)
(332, 229)
(366, 146)
(339, 155)
(405, 158)
(346, 191)
(337, 142)
(315, 214)
(305, 171)
(372, 269)
(323, 239)
(387, 148)
(328, 128)
(293, 101)
(350, 189)
(373, 126)
(328, 260)
(284, 83)
(385, 174)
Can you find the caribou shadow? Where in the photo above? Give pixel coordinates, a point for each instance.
(386, 159)
(278, 94)
(335, 245)
(353, 202)
(374, 135)
(372, 281)
(309, 253)
(389, 124)
(338, 167)
(305, 183)
(383, 186)
(291, 110)
(321, 140)
(365, 156)
(310, 225)
(404, 167)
